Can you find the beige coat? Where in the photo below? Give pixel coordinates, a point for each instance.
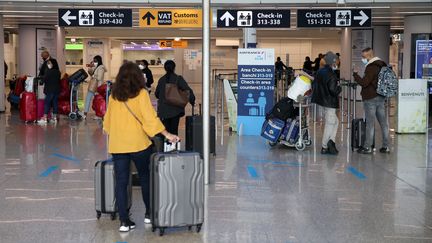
(97, 78)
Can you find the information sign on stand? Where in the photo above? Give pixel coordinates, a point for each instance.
(412, 106)
(319, 18)
(255, 89)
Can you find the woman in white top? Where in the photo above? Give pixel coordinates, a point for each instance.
(97, 71)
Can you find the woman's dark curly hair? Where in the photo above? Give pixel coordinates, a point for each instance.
(129, 82)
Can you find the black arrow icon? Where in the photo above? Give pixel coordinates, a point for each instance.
(149, 16)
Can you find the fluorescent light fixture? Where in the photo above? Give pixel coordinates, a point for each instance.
(133, 43)
(23, 16)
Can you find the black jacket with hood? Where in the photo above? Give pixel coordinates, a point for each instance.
(325, 88)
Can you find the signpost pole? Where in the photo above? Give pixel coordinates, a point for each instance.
(206, 89)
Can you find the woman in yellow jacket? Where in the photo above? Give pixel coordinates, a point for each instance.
(130, 122)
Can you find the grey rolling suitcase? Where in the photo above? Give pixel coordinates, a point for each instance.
(105, 201)
(177, 190)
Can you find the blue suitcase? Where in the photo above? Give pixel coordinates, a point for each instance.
(291, 131)
(272, 129)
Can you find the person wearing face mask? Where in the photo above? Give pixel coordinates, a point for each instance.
(147, 72)
(374, 104)
(97, 72)
(51, 90)
(44, 67)
(325, 92)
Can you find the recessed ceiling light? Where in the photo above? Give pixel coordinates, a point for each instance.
(177, 39)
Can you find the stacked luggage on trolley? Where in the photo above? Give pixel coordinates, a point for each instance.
(287, 121)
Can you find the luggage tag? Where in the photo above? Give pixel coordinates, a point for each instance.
(172, 147)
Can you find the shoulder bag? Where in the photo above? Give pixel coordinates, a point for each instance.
(175, 96)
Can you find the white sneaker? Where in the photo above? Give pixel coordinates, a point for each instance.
(42, 121)
(147, 221)
(53, 120)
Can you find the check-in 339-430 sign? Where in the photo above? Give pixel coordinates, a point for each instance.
(95, 17)
(319, 18)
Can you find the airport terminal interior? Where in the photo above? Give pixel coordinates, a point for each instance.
(255, 189)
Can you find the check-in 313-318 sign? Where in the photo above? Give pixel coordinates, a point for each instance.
(95, 17)
(266, 18)
(318, 18)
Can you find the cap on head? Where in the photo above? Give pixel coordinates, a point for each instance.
(330, 58)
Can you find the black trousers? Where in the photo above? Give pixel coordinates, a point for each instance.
(172, 124)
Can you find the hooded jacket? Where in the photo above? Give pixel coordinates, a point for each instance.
(325, 90)
(369, 82)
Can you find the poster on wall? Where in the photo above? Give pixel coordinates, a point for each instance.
(412, 106)
(94, 48)
(423, 65)
(45, 41)
(255, 88)
(193, 59)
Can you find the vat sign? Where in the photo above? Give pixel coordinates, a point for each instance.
(95, 17)
(170, 18)
(271, 18)
(314, 18)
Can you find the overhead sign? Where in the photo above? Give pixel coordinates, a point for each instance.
(334, 18)
(271, 18)
(95, 17)
(170, 18)
(255, 88)
(173, 44)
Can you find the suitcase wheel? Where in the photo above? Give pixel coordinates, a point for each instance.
(98, 214)
(161, 231)
(198, 229)
(113, 216)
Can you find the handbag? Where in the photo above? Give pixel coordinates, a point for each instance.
(175, 96)
(93, 84)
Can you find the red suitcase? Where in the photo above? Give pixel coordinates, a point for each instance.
(99, 105)
(28, 109)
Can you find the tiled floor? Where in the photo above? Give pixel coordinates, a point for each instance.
(258, 194)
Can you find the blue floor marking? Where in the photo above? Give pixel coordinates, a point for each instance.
(65, 157)
(48, 171)
(356, 173)
(252, 172)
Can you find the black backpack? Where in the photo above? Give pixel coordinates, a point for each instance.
(283, 110)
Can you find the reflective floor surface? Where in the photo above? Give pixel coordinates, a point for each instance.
(258, 193)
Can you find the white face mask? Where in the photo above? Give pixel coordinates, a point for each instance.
(50, 66)
(95, 64)
(334, 67)
(364, 61)
(141, 66)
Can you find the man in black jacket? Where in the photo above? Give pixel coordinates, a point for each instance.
(326, 94)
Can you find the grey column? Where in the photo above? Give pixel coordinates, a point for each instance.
(61, 49)
(381, 42)
(413, 25)
(206, 89)
(2, 71)
(346, 54)
(249, 38)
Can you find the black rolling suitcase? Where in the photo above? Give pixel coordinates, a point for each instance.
(358, 127)
(194, 133)
(79, 76)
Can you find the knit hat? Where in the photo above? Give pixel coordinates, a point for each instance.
(330, 58)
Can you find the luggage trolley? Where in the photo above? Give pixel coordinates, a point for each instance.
(304, 139)
(75, 113)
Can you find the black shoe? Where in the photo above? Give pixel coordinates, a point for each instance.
(332, 147)
(324, 151)
(365, 151)
(385, 150)
(126, 226)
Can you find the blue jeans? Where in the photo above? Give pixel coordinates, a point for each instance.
(122, 173)
(376, 108)
(89, 99)
(51, 100)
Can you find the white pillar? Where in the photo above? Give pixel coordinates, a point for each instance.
(61, 49)
(413, 25)
(250, 38)
(346, 53)
(2, 71)
(206, 89)
(381, 42)
(27, 63)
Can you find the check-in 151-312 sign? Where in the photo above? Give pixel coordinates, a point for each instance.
(318, 18)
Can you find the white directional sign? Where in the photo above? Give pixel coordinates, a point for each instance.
(319, 18)
(254, 18)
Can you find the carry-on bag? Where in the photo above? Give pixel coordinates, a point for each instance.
(27, 106)
(194, 133)
(291, 132)
(283, 110)
(176, 190)
(105, 200)
(272, 129)
(99, 105)
(358, 127)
